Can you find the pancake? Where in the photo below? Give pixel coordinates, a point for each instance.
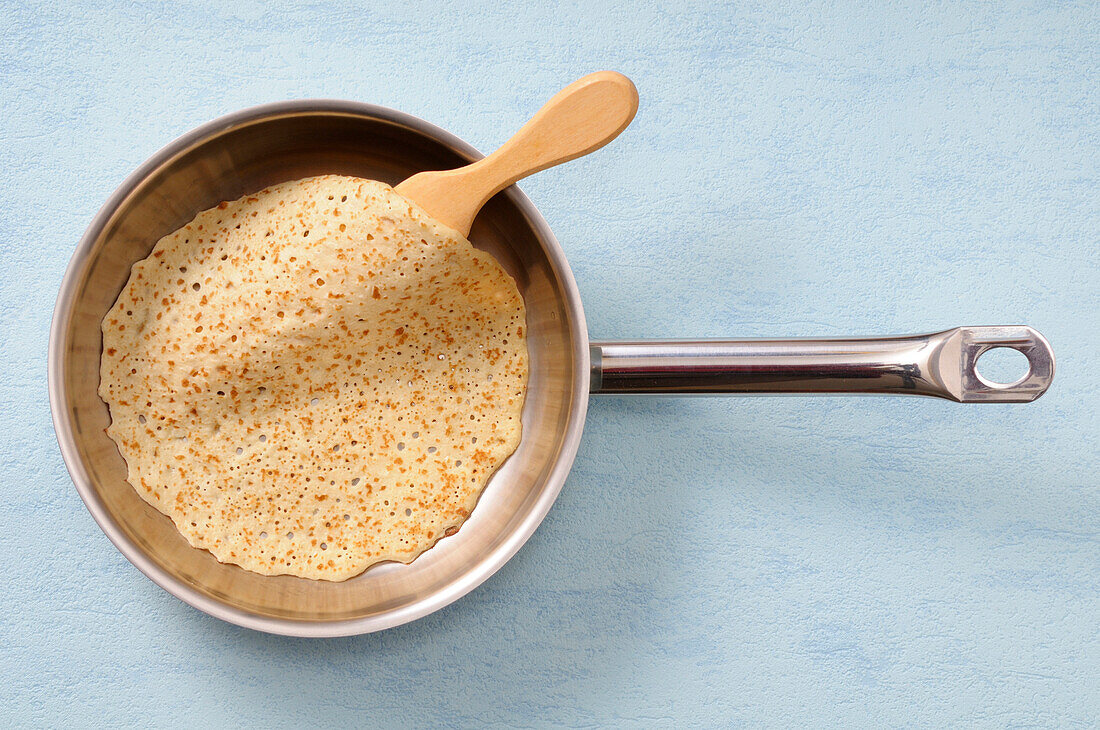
(315, 378)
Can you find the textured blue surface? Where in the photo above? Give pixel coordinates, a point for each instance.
(795, 169)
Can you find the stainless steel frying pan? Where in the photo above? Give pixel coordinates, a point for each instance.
(249, 150)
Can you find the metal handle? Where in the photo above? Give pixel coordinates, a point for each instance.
(940, 365)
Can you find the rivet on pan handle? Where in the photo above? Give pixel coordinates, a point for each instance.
(940, 365)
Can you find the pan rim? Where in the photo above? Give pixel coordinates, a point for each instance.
(490, 562)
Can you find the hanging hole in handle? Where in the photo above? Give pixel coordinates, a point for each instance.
(966, 345)
(1002, 367)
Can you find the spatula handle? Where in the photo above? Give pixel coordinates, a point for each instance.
(580, 118)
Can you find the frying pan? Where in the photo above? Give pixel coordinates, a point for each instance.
(258, 147)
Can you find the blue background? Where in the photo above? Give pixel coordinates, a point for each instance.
(795, 169)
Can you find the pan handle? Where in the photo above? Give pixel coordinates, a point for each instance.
(941, 365)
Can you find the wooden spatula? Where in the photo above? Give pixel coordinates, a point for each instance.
(580, 118)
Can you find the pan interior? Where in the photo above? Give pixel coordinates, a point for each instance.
(241, 156)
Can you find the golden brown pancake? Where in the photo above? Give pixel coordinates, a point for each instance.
(315, 378)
